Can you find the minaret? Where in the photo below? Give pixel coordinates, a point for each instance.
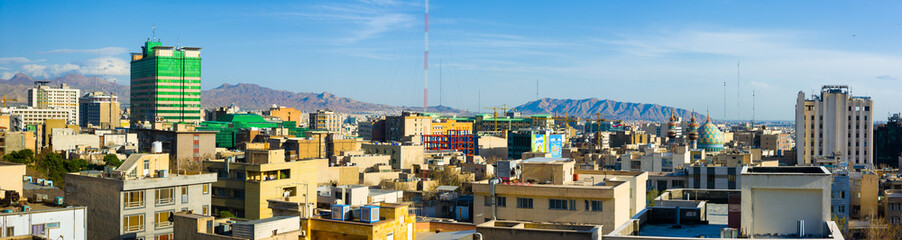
(692, 131)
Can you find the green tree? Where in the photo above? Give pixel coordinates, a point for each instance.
(76, 165)
(24, 156)
(112, 160)
(650, 196)
(226, 214)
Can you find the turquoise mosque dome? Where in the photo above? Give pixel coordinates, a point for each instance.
(710, 137)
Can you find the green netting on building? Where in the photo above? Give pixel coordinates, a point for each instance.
(231, 124)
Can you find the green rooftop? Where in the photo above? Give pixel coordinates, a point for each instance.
(241, 118)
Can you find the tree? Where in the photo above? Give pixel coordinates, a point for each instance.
(76, 165)
(226, 214)
(842, 223)
(24, 156)
(650, 197)
(879, 228)
(112, 160)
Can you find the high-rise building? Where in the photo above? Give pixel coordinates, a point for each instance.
(46, 97)
(888, 142)
(834, 123)
(99, 109)
(165, 84)
(324, 120)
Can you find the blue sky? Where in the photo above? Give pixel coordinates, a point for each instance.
(676, 53)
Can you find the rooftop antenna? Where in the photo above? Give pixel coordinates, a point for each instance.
(154, 32)
(426, 60)
(738, 92)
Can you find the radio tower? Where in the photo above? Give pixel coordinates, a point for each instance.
(426, 61)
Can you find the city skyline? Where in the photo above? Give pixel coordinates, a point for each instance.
(674, 54)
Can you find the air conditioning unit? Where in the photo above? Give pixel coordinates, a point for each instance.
(369, 214)
(341, 212)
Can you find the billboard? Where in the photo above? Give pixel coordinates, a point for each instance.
(555, 145)
(538, 143)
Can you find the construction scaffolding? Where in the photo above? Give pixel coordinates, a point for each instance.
(465, 142)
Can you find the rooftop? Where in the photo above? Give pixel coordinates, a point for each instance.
(785, 170)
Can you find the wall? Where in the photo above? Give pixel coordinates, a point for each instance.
(72, 222)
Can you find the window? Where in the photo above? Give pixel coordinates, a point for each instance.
(10, 231)
(163, 237)
(161, 219)
(37, 229)
(596, 206)
(206, 210)
(572, 205)
(557, 204)
(164, 196)
(133, 223)
(206, 188)
(134, 199)
(184, 194)
(524, 202)
(502, 201)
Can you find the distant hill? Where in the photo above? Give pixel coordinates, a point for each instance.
(609, 109)
(253, 96)
(18, 85)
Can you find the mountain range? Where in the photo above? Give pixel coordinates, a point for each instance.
(255, 97)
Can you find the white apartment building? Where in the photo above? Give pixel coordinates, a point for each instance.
(324, 120)
(834, 123)
(36, 116)
(46, 97)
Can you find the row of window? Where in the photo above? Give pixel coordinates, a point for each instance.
(162, 196)
(135, 223)
(553, 204)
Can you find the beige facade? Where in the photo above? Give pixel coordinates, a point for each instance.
(16, 141)
(245, 185)
(63, 98)
(11, 179)
(99, 110)
(835, 123)
(403, 157)
(774, 199)
(395, 223)
(863, 191)
(324, 120)
(892, 208)
(136, 200)
(286, 114)
(408, 125)
(188, 225)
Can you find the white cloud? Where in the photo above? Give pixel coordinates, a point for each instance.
(94, 66)
(14, 60)
(107, 51)
(366, 20)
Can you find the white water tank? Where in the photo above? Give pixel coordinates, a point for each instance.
(157, 147)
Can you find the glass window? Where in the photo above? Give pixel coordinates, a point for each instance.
(161, 219)
(206, 188)
(133, 223)
(205, 210)
(164, 196)
(524, 202)
(502, 201)
(596, 206)
(184, 194)
(134, 199)
(558, 204)
(163, 237)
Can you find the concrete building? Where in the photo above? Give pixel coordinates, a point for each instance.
(775, 200)
(550, 192)
(892, 208)
(62, 139)
(286, 114)
(517, 230)
(188, 225)
(31, 116)
(99, 110)
(888, 142)
(16, 141)
(44, 221)
(626, 137)
(318, 145)
(407, 126)
(834, 123)
(324, 120)
(63, 97)
(863, 191)
(136, 200)
(356, 195)
(535, 140)
(394, 223)
(165, 84)
(403, 157)
(185, 145)
(245, 185)
(714, 177)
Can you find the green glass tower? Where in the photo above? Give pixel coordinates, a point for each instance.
(165, 84)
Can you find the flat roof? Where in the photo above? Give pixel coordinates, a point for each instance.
(786, 170)
(544, 160)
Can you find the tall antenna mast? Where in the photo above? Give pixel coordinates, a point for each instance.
(738, 92)
(753, 107)
(426, 60)
(479, 101)
(154, 32)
